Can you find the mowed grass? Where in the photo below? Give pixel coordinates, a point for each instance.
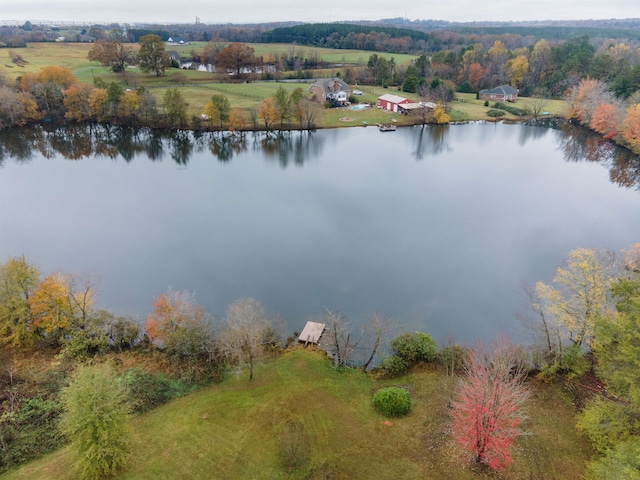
(232, 431)
(467, 107)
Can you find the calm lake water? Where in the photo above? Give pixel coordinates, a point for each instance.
(435, 226)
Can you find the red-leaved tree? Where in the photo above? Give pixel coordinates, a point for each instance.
(488, 407)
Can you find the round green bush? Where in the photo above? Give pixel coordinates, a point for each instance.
(415, 347)
(391, 365)
(392, 401)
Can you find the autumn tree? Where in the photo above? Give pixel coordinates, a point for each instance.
(59, 304)
(568, 310)
(112, 54)
(518, 68)
(96, 421)
(582, 100)
(237, 57)
(175, 106)
(99, 104)
(152, 56)
(267, 111)
(218, 109)
(474, 75)
(539, 62)
(310, 110)
(630, 129)
(606, 119)
(244, 335)
(297, 97)
(488, 407)
(211, 52)
(282, 104)
(18, 280)
(76, 101)
(16, 108)
(236, 119)
(61, 76)
(610, 419)
(439, 115)
(129, 106)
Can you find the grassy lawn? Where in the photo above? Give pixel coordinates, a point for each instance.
(467, 107)
(233, 430)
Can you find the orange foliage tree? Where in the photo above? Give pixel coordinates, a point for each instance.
(171, 311)
(476, 72)
(76, 101)
(606, 120)
(630, 130)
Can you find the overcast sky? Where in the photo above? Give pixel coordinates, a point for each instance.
(260, 11)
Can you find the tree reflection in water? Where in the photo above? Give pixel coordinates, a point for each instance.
(83, 141)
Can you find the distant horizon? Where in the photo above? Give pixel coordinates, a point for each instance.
(62, 22)
(248, 12)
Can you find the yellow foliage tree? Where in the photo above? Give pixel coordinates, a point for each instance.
(440, 115)
(50, 305)
(58, 303)
(579, 295)
(61, 76)
(211, 112)
(236, 119)
(98, 104)
(267, 111)
(518, 68)
(76, 101)
(129, 105)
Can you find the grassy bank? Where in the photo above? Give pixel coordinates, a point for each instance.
(234, 430)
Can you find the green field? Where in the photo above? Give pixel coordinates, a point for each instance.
(233, 430)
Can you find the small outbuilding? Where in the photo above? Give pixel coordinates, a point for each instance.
(311, 333)
(503, 93)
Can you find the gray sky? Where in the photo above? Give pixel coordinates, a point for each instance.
(254, 11)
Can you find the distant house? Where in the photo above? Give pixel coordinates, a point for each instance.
(174, 56)
(177, 41)
(331, 90)
(503, 93)
(394, 103)
(311, 333)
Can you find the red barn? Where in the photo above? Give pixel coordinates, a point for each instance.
(393, 103)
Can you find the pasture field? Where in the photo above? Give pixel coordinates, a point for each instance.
(235, 430)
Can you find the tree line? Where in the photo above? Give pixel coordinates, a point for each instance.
(55, 93)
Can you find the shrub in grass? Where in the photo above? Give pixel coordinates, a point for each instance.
(392, 365)
(414, 347)
(509, 108)
(392, 401)
(294, 446)
(149, 390)
(493, 113)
